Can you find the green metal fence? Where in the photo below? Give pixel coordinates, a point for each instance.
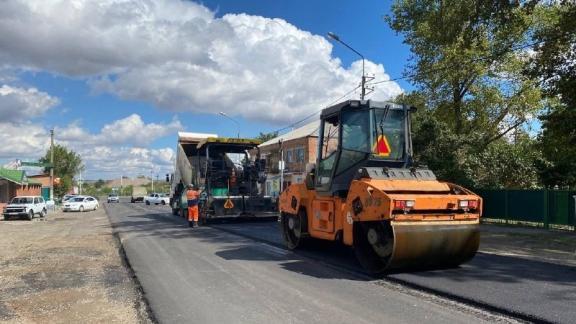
(538, 207)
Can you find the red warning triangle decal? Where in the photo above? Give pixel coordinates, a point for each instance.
(382, 147)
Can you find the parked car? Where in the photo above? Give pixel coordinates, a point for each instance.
(113, 198)
(80, 203)
(26, 206)
(65, 198)
(157, 199)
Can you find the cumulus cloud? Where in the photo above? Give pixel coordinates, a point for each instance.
(127, 131)
(178, 56)
(20, 104)
(120, 147)
(20, 141)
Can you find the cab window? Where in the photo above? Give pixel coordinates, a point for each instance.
(355, 138)
(328, 146)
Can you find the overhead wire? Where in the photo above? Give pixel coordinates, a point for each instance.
(318, 111)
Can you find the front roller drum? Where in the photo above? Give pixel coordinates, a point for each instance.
(434, 244)
(381, 246)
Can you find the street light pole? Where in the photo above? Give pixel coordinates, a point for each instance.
(232, 119)
(335, 37)
(52, 164)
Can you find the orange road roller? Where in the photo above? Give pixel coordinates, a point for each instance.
(366, 192)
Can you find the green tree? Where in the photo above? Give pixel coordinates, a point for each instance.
(266, 136)
(468, 67)
(67, 164)
(555, 64)
(99, 184)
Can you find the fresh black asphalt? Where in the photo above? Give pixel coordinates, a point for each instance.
(209, 275)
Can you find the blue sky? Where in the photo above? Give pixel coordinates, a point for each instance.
(89, 97)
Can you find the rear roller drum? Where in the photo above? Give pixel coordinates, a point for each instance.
(294, 229)
(373, 245)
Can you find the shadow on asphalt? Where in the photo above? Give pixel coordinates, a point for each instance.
(484, 267)
(162, 224)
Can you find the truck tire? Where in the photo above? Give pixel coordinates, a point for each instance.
(81, 209)
(162, 203)
(30, 215)
(43, 213)
(147, 203)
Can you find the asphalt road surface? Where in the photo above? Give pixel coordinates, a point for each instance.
(239, 272)
(532, 290)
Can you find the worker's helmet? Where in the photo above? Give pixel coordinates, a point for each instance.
(190, 186)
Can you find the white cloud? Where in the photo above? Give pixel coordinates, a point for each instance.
(20, 141)
(20, 104)
(179, 57)
(118, 148)
(127, 131)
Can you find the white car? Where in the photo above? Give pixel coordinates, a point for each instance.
(113, 198)
(157, 199)
(80, 203)
(27, 206)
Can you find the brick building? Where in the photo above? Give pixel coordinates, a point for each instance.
(15, 183)
(300, 149)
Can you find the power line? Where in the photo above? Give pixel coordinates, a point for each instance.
(318, 111)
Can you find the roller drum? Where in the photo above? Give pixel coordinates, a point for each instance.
(433, 244)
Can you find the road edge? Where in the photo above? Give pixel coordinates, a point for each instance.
(142, 305)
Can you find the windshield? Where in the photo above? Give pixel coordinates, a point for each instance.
(22, 200)
(77, 199)
(112, 195)
(388, 134)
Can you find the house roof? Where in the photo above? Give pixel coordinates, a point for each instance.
(16, 176)
(307, 130)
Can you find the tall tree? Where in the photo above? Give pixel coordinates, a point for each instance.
(467, 64)
(266, 136)
(67, 164)
(555, 64)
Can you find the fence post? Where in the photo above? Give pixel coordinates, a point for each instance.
(546, 209)
(506, 206)
(574, 213)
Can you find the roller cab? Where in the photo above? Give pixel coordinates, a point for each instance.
(365, 192)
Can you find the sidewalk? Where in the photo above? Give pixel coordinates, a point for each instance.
(65, 268)
(530, 243)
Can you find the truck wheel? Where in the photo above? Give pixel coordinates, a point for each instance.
(30, 215)
(43, 213)
(81, 209)
(147, 203)
(163, 203)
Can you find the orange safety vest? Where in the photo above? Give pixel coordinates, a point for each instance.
(192, 197)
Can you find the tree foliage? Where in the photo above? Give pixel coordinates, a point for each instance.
(468, 67)
(266, 136)
(555, 64)
(67, 164)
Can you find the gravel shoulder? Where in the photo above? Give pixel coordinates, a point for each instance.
(66, 268)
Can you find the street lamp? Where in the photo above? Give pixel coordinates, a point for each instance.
(232, 119)
(335, 37)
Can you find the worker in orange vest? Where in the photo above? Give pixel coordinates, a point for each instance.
(193, 197)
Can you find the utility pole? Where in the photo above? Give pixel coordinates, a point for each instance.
(282, 166)
(365, 79)
(52, 164)
(152, 178)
